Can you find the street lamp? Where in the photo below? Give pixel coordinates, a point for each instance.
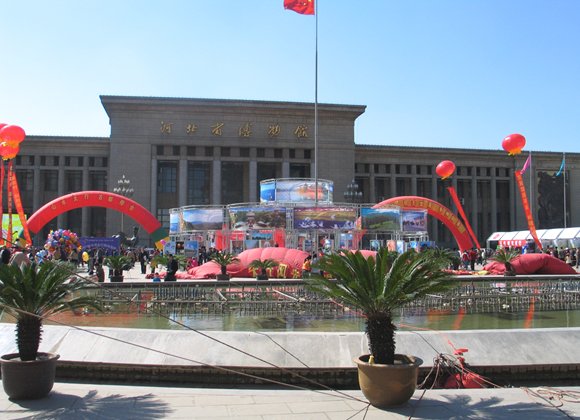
(352, 193)
(123, 188)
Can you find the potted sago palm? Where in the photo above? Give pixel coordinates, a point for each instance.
(377, 286)
(505, 257)
(118, 264)
(31, 293)
(262, 267)
(223, 259)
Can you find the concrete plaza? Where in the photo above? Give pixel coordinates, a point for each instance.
(97, 401)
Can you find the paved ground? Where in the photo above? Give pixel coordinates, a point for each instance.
(86, 401)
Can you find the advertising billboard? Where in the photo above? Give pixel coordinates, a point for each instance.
(324, 218)
(268, 191)
(296, 190)
(201, 219)
(386, 219)
(174, 219)
(16, 225)
(249, 218)
(414, 220)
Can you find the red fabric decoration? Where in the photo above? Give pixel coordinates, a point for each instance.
(292, 258)
(533, 264)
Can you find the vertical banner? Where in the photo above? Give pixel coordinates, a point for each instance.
(455, 199)
(527, 211)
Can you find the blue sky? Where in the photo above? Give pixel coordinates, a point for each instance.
(445, 73)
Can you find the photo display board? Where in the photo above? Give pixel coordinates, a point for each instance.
(324, 218)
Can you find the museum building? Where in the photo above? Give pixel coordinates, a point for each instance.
(179, 151)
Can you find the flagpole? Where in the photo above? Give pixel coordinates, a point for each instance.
(316, 107)
(564, 179)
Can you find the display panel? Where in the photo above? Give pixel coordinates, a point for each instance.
(385, 219)
(324, 218)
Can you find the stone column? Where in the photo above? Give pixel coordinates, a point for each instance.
(37, 188)
(85, 210)
(413, 179)
(475, 203)
(182, 194)
(216, 181)
(393, 181)
(60, 218)
(253, 180)
(493, 192)
(286, 164)
(372, 192)
(513, 209)
(153, 187)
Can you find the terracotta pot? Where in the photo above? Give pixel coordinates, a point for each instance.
(388, 385)
(28, 380)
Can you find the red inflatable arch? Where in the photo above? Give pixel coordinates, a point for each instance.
(436, 210)
(97, 199)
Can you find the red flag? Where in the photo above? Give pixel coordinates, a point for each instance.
(304, 7)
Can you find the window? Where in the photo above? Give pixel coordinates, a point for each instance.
(163, 217)
(226, 151)
(67, 161)
(299, 170)
(190, 150)
(42, 160)
(31, 160)
(278, 153)
(307, 153)
(98, 180)
(49, 180)
(198, 182)
(292, 153)
(81, 161)
(176, 150)
(244, 152)
(167, 177)
(91, 161)
(73, 181)
(56, 160)
(18, 160)
(105, 162)
(260, 152)
(233, 181)
(159, 150)
(25, 179)
(209, 151)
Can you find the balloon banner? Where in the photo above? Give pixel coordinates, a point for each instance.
(527, 211)
(437, 210)
(455, 199)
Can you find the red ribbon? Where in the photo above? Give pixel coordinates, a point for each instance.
(455, 199)
(1, 203)
(527, 211)
(20, 209)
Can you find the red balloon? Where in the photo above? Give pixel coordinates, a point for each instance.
(2, 125)
(513, 144)
(9, 152)
(12, 133)
(445, 169)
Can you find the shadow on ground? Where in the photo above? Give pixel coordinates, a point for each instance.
(462, 406)
(92, 406)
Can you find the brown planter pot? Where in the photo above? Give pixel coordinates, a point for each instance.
(29, 380)
(388, 385)
(222, 277)
(116, 279)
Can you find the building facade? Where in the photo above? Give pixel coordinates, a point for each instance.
(178, 152)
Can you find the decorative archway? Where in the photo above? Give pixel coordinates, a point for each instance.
(436, 210)
(97, 199)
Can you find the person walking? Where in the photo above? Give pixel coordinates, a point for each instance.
(142, 257)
